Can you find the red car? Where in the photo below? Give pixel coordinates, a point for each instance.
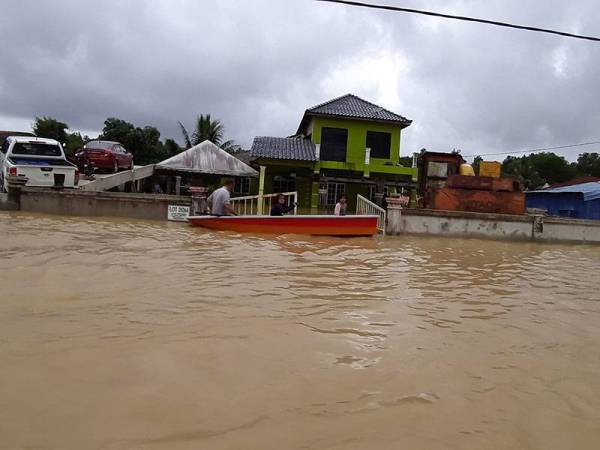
(104, 155)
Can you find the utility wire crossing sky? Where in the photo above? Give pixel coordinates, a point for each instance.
(465, 18)
(533, 150)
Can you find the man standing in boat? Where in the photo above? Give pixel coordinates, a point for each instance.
(219, 201)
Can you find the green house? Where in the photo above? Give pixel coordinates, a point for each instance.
(344, 146)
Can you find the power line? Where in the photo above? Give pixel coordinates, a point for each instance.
(465, 18)
(535, 149)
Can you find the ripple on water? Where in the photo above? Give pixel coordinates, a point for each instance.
(288, 329)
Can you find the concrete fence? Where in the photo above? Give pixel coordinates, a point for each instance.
(496, 226)
(109, 204)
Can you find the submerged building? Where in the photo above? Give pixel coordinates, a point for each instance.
(581, 201)
(343, 146)
(205, 164)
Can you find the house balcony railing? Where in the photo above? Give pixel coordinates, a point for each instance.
(365, 207)
(253, 205)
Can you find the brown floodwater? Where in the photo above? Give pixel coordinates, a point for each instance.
(120, 334)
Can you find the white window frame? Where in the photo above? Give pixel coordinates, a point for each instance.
(339, 189)
(242, 185)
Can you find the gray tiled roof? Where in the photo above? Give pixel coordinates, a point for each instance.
(350, 105)
(298, 149)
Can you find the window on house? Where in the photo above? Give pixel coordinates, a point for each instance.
(242, 186)
(283, 184)
(371, 194)
(373, 191)
(379, 143)
(334, 142)
(334, 191)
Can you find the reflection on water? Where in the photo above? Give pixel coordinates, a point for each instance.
(139, 335)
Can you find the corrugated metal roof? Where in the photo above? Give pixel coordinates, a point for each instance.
(297, 149)
(590, 191)
(207, 157)
(350, 105)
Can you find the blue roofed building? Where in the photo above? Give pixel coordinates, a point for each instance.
(580, 201)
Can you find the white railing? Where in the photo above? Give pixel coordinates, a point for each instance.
(365, 207)
(249, 205)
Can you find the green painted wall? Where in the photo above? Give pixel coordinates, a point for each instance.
(303, 179)
(357, 140)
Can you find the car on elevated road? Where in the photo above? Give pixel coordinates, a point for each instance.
(106, 156)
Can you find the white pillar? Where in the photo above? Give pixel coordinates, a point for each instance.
(261, 191)
(394, 216)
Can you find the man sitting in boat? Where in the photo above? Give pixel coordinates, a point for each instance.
(280, 208)
(219, 201)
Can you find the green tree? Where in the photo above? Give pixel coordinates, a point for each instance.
(74, 142)
(405, 161)
(50, 128)
(476, 163)
(537, 169)
(171, 148)
(117, 130)
(206, 128)
(589, 164)
(144, 143)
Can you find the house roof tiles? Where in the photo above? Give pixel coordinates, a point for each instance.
(298, 149)
(351, 106)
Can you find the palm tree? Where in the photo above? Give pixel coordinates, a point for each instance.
(207, 129)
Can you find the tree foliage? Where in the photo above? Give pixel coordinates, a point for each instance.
(589, 164)
(74, 142)
(50, 128)
(144, 143)
(537, 169)
(405, 161)
(476, 163)
(206, 128)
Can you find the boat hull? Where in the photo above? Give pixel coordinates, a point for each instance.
(312, 225)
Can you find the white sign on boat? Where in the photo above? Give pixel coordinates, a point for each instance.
(178, 213)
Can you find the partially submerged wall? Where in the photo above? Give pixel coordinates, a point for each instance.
(109, 204)
(557, 229)
(496, 226)
(400, 221)
(7, 203)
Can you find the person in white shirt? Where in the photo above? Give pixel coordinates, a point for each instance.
(340, 206)
(219, 201)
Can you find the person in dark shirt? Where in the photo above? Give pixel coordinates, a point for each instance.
(280, 208)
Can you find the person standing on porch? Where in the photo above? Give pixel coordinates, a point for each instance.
(340, 206)
(280, 208)
(219, 201)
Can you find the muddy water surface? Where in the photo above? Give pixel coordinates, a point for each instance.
(140, 335)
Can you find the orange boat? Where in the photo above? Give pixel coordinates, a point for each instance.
(313, 225)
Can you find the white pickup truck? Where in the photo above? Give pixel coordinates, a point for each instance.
(41, 160)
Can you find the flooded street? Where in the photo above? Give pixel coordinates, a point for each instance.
(119, 334)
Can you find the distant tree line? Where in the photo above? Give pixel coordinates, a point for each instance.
(538, 169)
(143, 142)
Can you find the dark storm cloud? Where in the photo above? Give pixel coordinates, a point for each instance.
(487, 89)
(257, 65)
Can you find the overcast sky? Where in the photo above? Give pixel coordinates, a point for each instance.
(258, 64)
